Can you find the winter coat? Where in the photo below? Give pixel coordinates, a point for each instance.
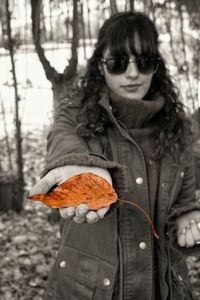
(91, 262)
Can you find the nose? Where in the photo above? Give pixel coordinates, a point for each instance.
(132, 70)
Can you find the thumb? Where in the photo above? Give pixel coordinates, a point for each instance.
(44, 185)
(102, 211)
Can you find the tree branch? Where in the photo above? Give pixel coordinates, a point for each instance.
(71, 69)
(51, 74)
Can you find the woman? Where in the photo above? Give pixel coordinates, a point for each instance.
(126, 125)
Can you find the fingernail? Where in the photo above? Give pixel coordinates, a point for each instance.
(183, 231)
(70, 211)
(92, 217)
(82, 210)
(192, 222)
(79, 220)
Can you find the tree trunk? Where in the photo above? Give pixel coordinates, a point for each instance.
(113, 7)
(147, 7)
(20, 178)
(190, 94)
(6, 137)
(44, 31)
(153, 11)
(3, 22)
(83, 30)
(67, 22)
(88, 22)
(132, 5)
(70, 71)
(51, 20)
(8, 192)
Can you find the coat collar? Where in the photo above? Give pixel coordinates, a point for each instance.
(131, 114)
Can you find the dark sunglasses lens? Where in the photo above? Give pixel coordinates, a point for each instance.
(117, 65)
(147, 65)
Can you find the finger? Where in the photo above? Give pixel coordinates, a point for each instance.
(195, 231)
(44, 185)
(181, 238)
(189, 240)
(181, 224)
(102, 211)
(198, 226)
(79, 220)
(92, 217)
(67, 212)
(82, 210)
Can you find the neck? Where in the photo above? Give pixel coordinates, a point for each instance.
(135, 113)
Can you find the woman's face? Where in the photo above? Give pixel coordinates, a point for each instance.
(131, 84)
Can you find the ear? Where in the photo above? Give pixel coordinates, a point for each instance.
(101, 69)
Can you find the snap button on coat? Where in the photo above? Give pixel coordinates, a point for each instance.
(180, 278)
(164, 185)
(139, 180)
(142, 245)
(106, 282)
(182, 174)
(62, 264)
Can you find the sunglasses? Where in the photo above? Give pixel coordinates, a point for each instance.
(119, 65)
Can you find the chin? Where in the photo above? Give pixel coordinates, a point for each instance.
(132, 96)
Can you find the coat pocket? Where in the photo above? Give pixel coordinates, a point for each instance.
(78, 275)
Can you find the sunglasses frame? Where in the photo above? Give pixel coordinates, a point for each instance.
(129, 60)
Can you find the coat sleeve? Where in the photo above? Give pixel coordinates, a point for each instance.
(186, 201)
(66, 147)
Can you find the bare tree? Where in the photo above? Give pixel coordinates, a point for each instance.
(3, 20)
(83, 29)
(20, 177)
(60, 81)
(88, 22)
(113, 7)
(186, 69)
(6, 136)
(132, 4)
(147, 7)
(51, 20)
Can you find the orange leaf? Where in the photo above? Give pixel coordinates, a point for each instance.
(86, 188)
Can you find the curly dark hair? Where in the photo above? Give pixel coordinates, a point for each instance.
(174, 127)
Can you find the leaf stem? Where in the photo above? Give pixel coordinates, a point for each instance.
(144, 212)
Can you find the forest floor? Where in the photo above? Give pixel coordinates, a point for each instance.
(28, 245)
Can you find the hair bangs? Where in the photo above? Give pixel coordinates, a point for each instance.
(131, 36)
(117, 40)
(142, 41)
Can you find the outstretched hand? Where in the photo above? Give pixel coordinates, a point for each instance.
(188, 229)
(81, 213)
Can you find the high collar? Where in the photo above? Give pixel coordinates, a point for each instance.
(134, 114)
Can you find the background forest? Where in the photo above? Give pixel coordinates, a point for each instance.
(44, 47)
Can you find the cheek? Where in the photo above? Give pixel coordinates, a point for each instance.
(113, 82)
(147, 83)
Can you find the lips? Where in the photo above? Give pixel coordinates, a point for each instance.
(131, 87)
